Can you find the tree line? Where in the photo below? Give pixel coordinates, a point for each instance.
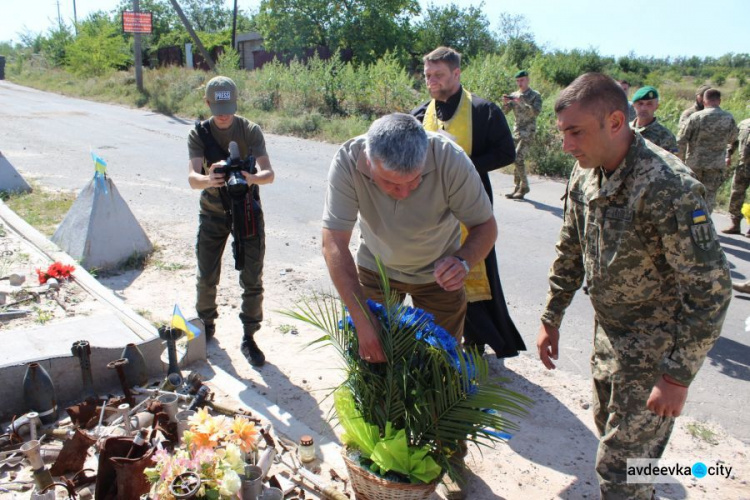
(369, 29)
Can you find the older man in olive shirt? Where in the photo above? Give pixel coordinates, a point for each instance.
(409, 189)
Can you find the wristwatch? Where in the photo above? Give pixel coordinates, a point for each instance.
(464, 263)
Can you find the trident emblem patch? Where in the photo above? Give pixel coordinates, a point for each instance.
(702, 231)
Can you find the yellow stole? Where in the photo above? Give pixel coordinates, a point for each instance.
(459, 130)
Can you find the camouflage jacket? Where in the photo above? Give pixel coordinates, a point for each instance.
(687, 114)
(742, 142)
(658, 134)
(525, 110)
(702, 141)
(657, 276)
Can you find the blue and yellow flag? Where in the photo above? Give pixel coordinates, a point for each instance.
(178, 321)
(699, 216)
(100, 166)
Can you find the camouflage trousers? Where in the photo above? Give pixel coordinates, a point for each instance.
(523, 143)
(712, 179)
(627, 428)
(213, 233)
(740, 183)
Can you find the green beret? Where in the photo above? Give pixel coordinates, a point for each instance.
(521, 73)
(646, 93)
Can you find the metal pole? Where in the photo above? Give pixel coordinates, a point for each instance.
(234, 24)
(75, 17)
(137, 53)
(193, 35)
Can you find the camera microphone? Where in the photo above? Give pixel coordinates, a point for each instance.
(234, 151)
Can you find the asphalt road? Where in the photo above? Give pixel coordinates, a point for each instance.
(48, 137)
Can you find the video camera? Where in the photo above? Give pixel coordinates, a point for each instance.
(233, 168)
(246, 211)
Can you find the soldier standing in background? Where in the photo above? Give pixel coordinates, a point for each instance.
(636, 226)
(741, 179)
(697, 105)
(646, 102)
(702, 143)
(526, 105)
(626, 88)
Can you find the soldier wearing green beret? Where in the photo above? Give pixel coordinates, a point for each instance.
(526, 104)
(646, 102)
(636, 228)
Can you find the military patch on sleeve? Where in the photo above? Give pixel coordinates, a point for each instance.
(702, 231)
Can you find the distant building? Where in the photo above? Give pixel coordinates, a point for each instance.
(247, 44)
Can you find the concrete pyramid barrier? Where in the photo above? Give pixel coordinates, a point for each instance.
(10, 180)
(100, 231)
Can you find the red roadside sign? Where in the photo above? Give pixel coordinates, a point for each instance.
(136, 22)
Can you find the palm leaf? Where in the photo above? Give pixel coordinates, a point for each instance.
(439, 399)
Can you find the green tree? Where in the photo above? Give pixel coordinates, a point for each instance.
(516, 40)
(98, 48)
(466, 30)
(55, 45)
(370, 28)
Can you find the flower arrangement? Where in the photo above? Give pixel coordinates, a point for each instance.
(214, 448)
(56, 270)
(409, 416)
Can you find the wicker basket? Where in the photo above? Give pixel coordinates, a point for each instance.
(368, 486)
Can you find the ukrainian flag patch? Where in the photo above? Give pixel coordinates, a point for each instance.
(699, 216)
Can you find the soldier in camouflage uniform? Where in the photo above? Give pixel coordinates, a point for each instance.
(646, 102)
(636, 226)
(697, 106)
(526, 104)
(741, 179)
(702, 143)
(626, 88)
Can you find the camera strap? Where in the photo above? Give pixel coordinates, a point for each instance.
(212, 153)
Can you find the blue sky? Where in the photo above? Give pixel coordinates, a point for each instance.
(646, 27)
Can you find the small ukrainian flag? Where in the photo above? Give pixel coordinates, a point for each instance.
(699, 216)
(100, 166)
(178, 321)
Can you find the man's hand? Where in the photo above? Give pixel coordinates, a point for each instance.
(546, 344)
(216, 179)
(369, 345)
(667, 397)
(450, 273)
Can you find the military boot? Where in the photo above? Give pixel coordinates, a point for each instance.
(743, 287)
(518, 195)
(734, 228)
(512, 193)
(251, 351)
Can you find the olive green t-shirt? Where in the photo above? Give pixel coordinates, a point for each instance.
(408, 235)
(249, 138)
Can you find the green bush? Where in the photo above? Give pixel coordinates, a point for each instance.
(489, 76)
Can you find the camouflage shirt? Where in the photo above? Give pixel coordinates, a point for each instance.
(702, 140)
(525, 110)
(743, 142)
(656, 274)
(658, 134)
(687, 114)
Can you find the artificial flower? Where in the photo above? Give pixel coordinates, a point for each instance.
(56, 270)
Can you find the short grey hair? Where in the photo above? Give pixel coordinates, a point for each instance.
(399, 142)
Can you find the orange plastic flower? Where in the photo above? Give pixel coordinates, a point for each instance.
(244, 434)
